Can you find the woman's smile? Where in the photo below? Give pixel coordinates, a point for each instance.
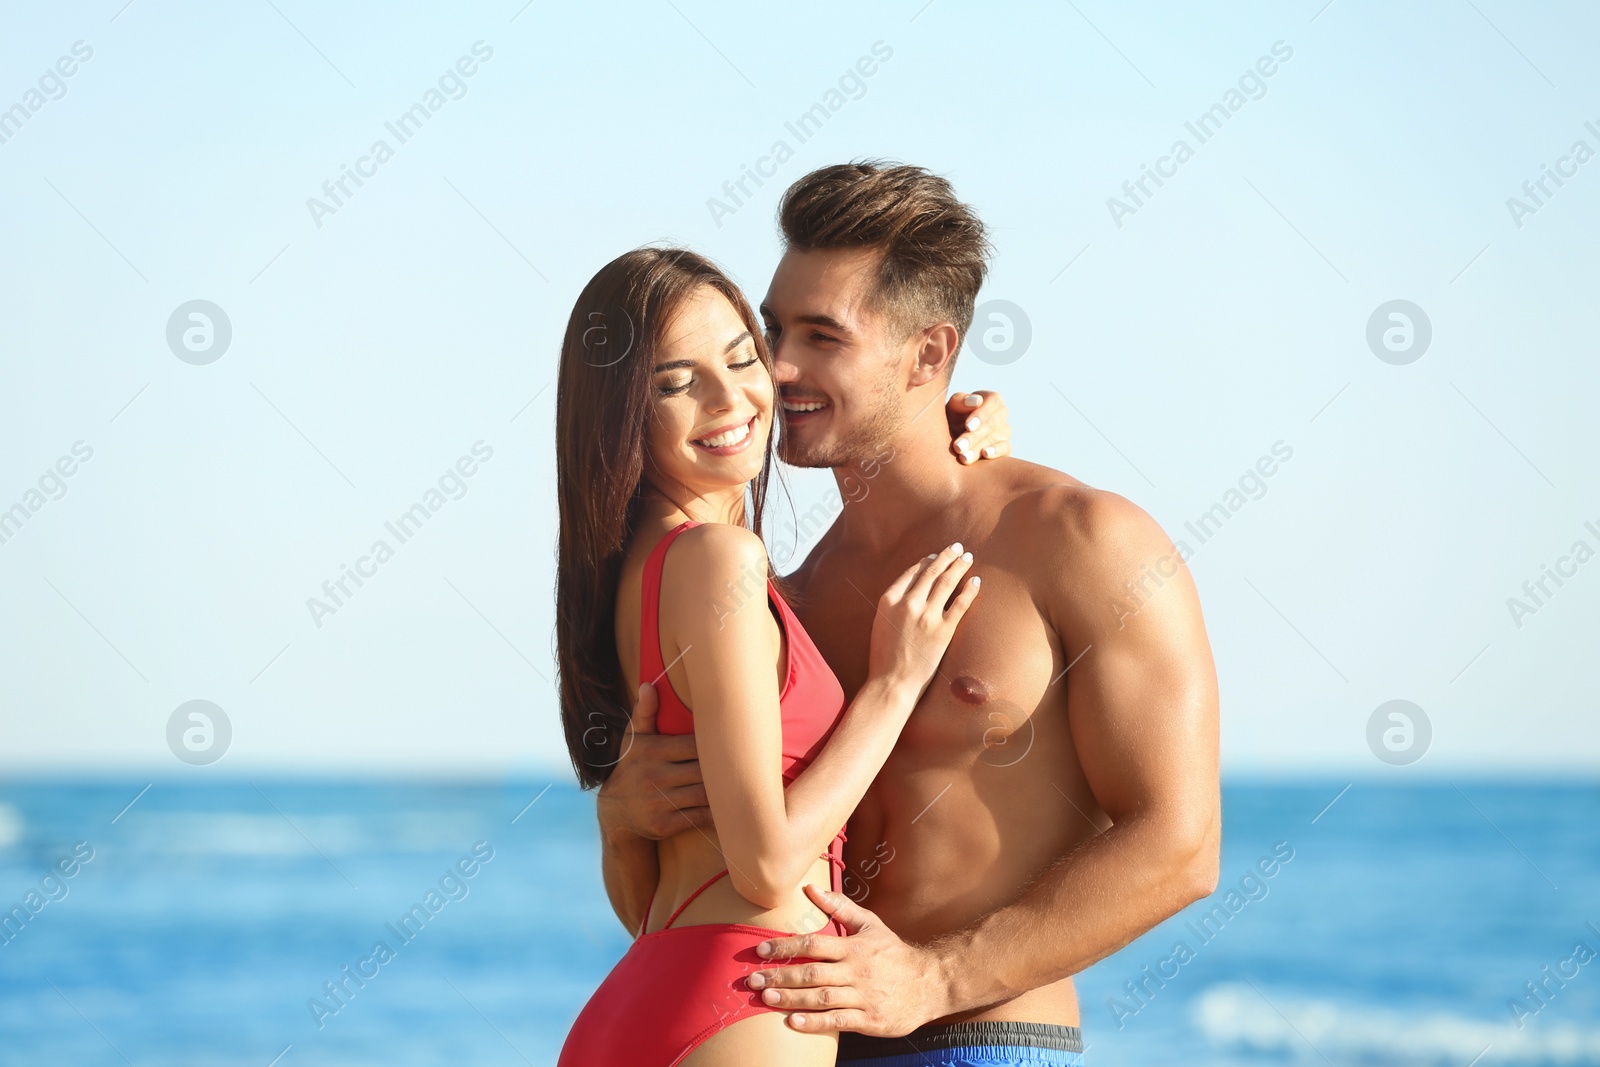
(728, 440)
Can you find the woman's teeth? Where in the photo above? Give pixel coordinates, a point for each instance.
(726, 438)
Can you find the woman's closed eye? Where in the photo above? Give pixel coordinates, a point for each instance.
(675, 386)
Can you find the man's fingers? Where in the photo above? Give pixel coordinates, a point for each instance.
(670, 748)
(700, 817)
(676, 820)
(853, 916)
(804, 976)
(815, 946)
(821, 997)
(663, 749)
(670, 774)
(645, 705)
(691, 795)
(848, 1019)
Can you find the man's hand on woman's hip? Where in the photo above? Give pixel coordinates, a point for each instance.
(870, 982)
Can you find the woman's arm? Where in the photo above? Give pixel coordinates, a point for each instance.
(729, 667)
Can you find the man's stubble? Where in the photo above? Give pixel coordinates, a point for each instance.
(877, 421)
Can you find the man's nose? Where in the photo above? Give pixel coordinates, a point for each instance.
(783, 372)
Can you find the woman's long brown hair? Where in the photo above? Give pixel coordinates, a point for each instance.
(604, 401)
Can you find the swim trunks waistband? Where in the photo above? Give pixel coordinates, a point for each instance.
(964, 1044)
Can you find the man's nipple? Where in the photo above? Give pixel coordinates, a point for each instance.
(969, 690)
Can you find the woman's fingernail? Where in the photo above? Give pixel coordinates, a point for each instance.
(956, 547)
(988, 453)
(974, 422)
(966, 557)
(973, 400)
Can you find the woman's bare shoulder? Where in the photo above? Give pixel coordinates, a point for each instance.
(710, 572)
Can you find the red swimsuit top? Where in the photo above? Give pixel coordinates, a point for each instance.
(809, 704)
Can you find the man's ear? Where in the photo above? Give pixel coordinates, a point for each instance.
(935, 353)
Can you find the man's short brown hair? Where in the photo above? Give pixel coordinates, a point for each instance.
(935, 249)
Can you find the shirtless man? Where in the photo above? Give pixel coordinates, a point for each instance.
(1055, 794)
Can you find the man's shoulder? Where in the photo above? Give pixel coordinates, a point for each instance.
(1057, 505)
(1062, 523)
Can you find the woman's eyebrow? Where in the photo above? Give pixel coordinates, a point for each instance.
(678, 364)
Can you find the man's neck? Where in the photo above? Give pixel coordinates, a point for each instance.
(885, 498)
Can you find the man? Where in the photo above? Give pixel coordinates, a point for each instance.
(1055, 794)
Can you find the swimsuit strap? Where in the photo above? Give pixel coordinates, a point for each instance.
(704, 885)
(647, 908)
(651, 667)
(829, 856)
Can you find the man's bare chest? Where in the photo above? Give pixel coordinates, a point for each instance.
(1002, 666)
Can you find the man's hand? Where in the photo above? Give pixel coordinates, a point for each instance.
(980, 424)
(872, 982)
(655, 790)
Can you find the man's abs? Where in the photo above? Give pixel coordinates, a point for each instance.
(939, 843)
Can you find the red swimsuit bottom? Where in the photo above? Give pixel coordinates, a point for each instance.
(677, 986)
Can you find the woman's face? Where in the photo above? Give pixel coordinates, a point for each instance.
(713, 399)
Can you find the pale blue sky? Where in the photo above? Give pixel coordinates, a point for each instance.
(1168, 354)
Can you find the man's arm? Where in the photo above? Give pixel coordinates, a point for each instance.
(1143, 695)
(653, 792)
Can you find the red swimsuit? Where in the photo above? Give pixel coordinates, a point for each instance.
(677, 986)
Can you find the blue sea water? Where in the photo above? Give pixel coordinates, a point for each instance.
(211, 915)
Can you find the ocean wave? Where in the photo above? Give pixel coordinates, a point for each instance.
(11, 826)
(1238, 1015)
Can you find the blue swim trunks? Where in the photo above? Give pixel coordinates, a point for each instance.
(980, 1044)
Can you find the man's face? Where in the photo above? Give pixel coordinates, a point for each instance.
(840, 364)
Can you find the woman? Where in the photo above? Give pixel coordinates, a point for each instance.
(664, 426)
